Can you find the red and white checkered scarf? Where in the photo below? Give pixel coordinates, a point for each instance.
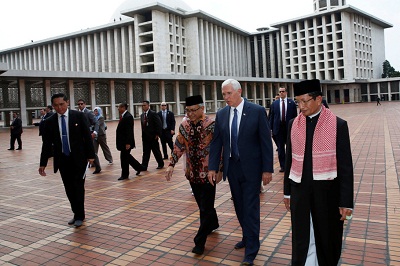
(323, 147)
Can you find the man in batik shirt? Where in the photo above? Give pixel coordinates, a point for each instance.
(194, 138)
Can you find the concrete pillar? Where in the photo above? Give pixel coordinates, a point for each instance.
(177, 98)
(92, 90)
(112, 115)
(214, 93)
(70, 89)
(130, 99)
(22, 102)
(47, 91)
(263, 94)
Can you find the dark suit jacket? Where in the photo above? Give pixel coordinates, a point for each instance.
(344, 164)
(153, 127)
(254, 141)
(80, 141)
(275, 114)
(17, 124)
(170, 120)
(125, 132)
(41, 123)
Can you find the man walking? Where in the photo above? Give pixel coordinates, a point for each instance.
(92, 121)
(318, 180)
(281, 112)
(241, 138)
(193, 140)
(151, 131)
(126, 142)
(168, 128)
(68, 132)
(15, 132)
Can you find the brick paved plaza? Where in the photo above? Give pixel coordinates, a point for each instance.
(148, 221)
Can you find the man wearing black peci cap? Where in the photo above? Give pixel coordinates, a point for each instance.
(193, 140)
(318, 180)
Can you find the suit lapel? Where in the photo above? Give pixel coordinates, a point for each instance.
(243, 118)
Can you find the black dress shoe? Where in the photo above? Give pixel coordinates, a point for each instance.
(213, 229)
(78, 223)
(10, 149)
(72, 221)
(138, 172)
(239, 245)
(281, 170)
(246, 263)
(123, 177)
(160, 167)
(165, 158)
(19, 148)
(198, 250)
(97, 171)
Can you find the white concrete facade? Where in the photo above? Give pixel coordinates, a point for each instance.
(163, 52)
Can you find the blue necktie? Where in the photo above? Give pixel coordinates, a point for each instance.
(64, 136)
(234, 136)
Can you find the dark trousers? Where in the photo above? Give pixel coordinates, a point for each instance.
(12, 141)
(166, 138)
(74, 184)
(280, 140)
(151, 145)
(205, 198)
(126, 160)
(246, 199)
(320, 198)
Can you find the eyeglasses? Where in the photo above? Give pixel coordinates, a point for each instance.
(191, 110)
(163, 105)
(80, 103)
(305, 102)
(282, 91)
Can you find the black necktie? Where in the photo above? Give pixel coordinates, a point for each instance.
(234, 136)
(64, 136)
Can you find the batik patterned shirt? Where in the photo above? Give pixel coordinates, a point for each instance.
(194, 140)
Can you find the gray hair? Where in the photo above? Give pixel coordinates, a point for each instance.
(235, 84)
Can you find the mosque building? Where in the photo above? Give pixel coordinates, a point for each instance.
(162, 50)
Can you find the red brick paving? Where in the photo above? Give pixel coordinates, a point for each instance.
(148, 221)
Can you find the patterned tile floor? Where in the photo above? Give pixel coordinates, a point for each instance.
(148, 221)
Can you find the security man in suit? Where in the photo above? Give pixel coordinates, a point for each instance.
(241, 138)
(168, 128)
(68, 132)
(281, 112)
(151, 131)
(16, 132)
(93, 123)
(126, 142)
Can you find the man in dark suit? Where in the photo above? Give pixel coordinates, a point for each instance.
(15, 132)
(281, 112)
(168, 128)
(318, 180)
(68, 132)
(241, 138)
(151, 131)
(126, 142)
(92, 124)
(48, 112)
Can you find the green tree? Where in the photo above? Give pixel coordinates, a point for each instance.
(389, 71)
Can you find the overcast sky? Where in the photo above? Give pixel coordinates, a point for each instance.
(25, 20)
